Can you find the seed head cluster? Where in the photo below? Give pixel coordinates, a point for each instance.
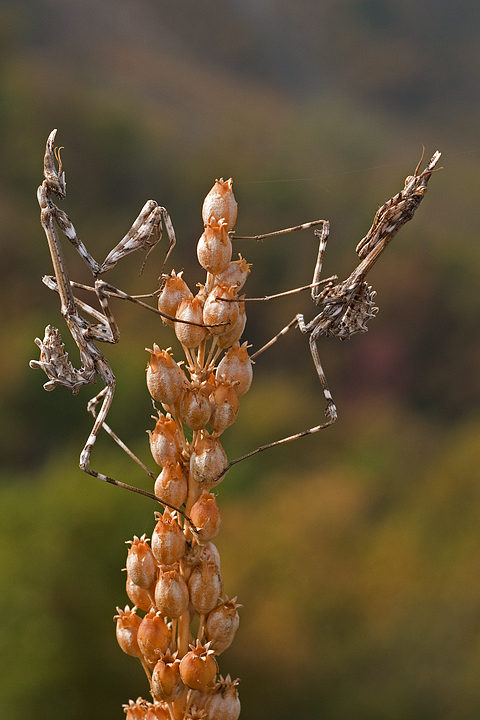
(181, 620)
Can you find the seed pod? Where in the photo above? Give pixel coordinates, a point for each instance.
(235, 274)
(233, 333)
(224, 703)
(136, 710)
(214, 249)
(207, 461)
(222, 624)
(236, 368)
(171, 594)
(141, 565)
(139, 597)
(205, 586)
(216, 311)
(220, 203)
(190, 335)
(171, 485)
(194, 407)
(157, 712)
(190, 559)
(198, 667)
(165, 441)
(209, 553)
(168, 540)
(128, 623)
(205, 515)
(166, 682)
(153, 636)
(174, 290)
(165, 379)
(225, 408)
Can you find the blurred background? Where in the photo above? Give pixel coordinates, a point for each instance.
(356, 552)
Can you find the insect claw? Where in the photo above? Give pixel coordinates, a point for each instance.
(54, 178)
(331, 411)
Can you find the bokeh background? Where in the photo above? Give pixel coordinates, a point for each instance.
(355, 552)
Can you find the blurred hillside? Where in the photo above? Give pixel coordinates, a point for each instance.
(317, 110)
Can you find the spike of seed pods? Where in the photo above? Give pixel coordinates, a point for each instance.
(177, 575)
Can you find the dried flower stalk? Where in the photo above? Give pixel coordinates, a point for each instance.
(175, 578)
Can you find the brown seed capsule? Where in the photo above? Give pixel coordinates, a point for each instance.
(171, 593)
(190, 335)
(218, 313)
(235, 274)
(153, 636)
(165, 379)
(205, 586)
(236, 368)
(225, 408)
(168, 540)
(171, 485)
(136, 710)
(214, 249)
(141, 565)
(198, 667)
(139, 597)
(233, 333)
(207, 461)
(220, 203)
(205, 515)
(194, 407)
(167, 683)
(128, 623)
(165, 441)
(174, 290)
(157, 712)
(209, 553)
(224, 703)
(222, 624)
